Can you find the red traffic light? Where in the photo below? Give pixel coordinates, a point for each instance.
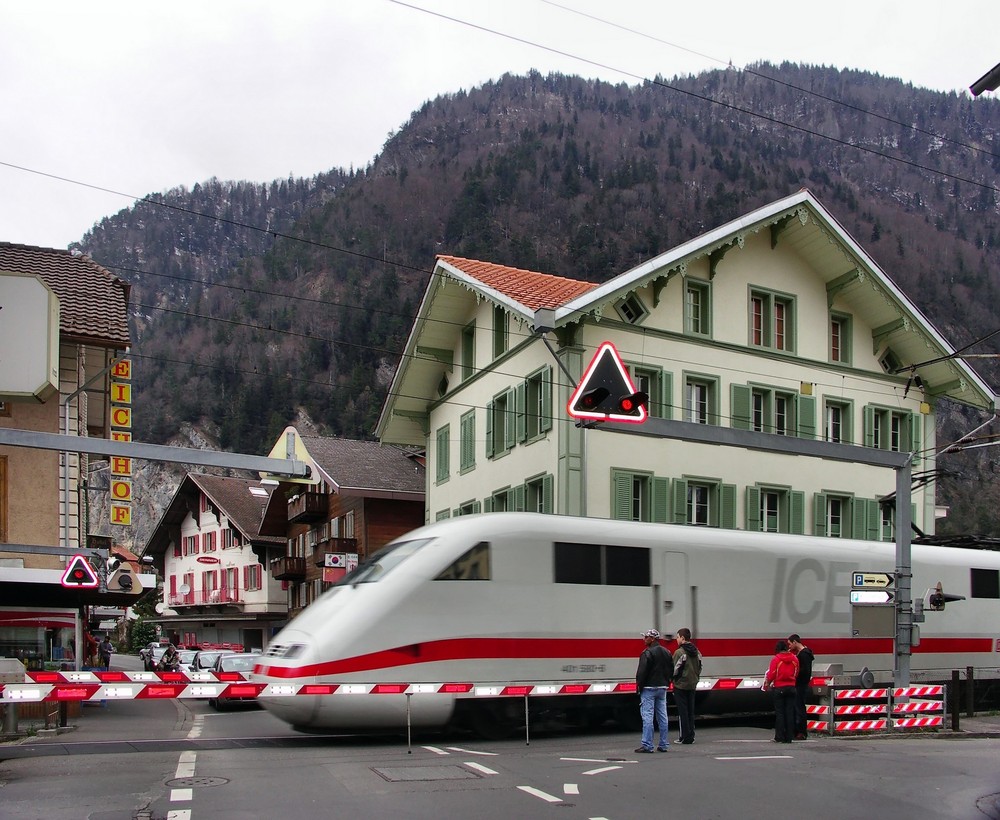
(592, 399)
(79, 573)
(632, 402)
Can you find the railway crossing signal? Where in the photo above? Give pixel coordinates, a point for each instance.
(606, 393)
(80, 574)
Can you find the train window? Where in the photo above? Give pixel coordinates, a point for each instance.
(985, 583)
(474, 565)
(374, 568)
(601, 564)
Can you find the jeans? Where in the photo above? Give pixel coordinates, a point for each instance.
(784, 713)
(684, 701)
(653, 699)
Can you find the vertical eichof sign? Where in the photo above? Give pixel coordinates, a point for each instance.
(121, 430)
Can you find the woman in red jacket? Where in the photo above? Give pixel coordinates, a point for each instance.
(780, 679)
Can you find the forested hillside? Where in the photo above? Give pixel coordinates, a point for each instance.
(257, 302)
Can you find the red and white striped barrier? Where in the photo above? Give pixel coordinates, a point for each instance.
(894, 710)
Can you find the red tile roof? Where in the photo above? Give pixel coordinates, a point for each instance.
(533, 290)
(93, 303)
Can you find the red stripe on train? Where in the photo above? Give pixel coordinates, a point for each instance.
(602, 649)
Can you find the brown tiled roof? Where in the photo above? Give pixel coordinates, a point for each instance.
(93, 303)
(361, 466)
(533, 290)
(233, 497)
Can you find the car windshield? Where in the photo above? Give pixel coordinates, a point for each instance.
(186, 655)
(238, 663)
(378, 565)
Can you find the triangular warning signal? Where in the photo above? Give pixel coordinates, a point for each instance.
(80, 574)
(606, 392)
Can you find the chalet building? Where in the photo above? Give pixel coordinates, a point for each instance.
(213, 546)
(360, 497)
(778, 322)
(64, 319)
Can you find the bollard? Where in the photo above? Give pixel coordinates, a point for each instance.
(953, 700)
(970, 692)
(10, 718)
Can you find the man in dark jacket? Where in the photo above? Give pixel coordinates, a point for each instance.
(651, 679)
(687, 671)
(805, 657)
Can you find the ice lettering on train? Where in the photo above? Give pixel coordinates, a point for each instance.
(807, 590)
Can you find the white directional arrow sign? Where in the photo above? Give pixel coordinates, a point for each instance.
(872, 580)
(871, 596)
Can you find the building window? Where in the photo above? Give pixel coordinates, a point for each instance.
(469, 508)
(251, 576)
(441, 453)
(534, 400)
(5, 409)
(441, 515)
(190, 544)
(840, 338)
(499, 331)
(775, 509)
(772, 411)
(835, 515)
(639, 497)
(500, 424)
(467, 446)
(349, 524)
(772, 321)
(704, 502)
(886, 530)
(631, 309)
(538, 494)
(500, 501)
(601, 564)
(228, 542)
(468, 350)
(699, 507)
(888, 429)
(697, 307)
(657, 385)
(837, 422)
(701, 400)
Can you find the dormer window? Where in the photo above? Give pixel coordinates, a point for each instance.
(631, 309)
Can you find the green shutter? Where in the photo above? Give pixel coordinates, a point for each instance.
(869, 419)
(739, 407)
(545, 422)
(547, 494)
(680, 495)
(859, 518)
(621, 488)
(806, 409)
(916, 425)
(510, 422)
(819, 514)
(873, 519)
(727, 518)
(797, 512)
(752, 509)
(521, 412)
(519, 493)
(488, 504)
(489, 429)
(667, 389)
(660, 500)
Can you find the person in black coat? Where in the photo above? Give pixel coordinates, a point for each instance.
(806, 658)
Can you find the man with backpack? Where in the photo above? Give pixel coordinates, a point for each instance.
(687, 671)
(651, 679)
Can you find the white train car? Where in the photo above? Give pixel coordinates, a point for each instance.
(523, 598)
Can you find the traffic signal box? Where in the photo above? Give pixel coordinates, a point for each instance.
(80, 574)
(606, 393)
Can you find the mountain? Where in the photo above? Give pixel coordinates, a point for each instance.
(257, 303)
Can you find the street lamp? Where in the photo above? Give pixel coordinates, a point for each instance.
(990, 81)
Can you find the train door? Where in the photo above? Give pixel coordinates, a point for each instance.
(674, 604)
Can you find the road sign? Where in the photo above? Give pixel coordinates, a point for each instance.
(872, 596)
(606, 393)
(872, 580)
(80, 574)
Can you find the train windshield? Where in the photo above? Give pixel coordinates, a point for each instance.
(375, 568)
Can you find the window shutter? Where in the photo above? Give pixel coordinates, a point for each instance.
(806, 409)
(819, 514)
(548, 487)
(869, 419)
(727, 506)
(246, 577)
(661, 500)
(916, 423)
(739, 410)
(667, 398)
(510, 422)
(521, 412)
(859, 518)
(752, 511)
(621, 484)
(519, 498)
(545, 422)
(477, 507)
(797, 512)
(489, 429)
(680, 498)
(488, 504)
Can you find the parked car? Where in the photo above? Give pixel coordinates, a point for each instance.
(205, 659)
(186, 657)
(151, 654)
(243, 662)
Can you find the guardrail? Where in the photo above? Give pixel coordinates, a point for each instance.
(872, 710)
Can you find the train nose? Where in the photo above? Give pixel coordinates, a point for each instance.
(283, 667)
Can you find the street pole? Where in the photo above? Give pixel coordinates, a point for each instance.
(904, 577)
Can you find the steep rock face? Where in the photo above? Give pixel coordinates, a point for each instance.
(251, 301)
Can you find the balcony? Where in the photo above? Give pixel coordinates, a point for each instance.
(331, 545)
(307, 507)
(289, 568)
(206, 597)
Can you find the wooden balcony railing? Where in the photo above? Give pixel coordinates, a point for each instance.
(323, 548)
(306, 507)
(289, 568)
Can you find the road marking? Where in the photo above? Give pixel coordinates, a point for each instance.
(548, 798)
(603, 769)
(596, 760)
(435, 749)
(196, 727)
(181, 795)
(179, 814)
(757, 757)
(188, 757)
(472, 752)
(480, 768)
(184, 770)
(571, 788)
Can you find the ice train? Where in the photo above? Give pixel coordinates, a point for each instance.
(521, 598)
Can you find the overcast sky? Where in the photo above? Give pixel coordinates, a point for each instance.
(138, 97)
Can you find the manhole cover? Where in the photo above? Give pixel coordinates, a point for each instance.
(410, 773)
(195, 782)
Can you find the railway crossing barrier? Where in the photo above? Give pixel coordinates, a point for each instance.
(872, 710)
